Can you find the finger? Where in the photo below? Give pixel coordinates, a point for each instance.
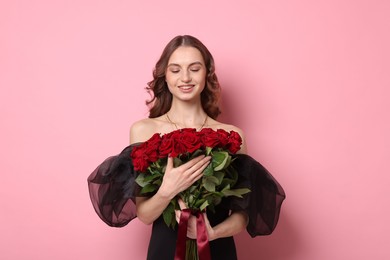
(191, 230)
(182, 204)
(169, 163)
(199, 172)
(201, 165)
(177, 215)
(210, 230)
(196, 160)
(206, 220)
(197, 177)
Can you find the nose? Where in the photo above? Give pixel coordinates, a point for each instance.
(186, 77)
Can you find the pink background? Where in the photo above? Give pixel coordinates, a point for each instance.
(308, 82)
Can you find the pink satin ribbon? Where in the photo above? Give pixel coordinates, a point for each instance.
(202, 240)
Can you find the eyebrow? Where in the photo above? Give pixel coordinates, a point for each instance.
(191, 64)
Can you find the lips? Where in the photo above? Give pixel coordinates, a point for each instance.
(186, 87)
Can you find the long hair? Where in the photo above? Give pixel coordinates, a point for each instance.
(162, 98)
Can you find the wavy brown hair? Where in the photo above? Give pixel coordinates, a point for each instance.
(162, 98)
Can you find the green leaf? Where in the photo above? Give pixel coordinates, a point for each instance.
(214, 198)
(155, 171)
(219, 160)
(150, 178)
(227, 187)
(177, 162)
(215, 193)
(219, 176)
(235, 192)
(196, 153)
(190, 200)
(231, 176)
(209, 185)
(199, 203)
(228, 161)
(140, 180)
(149, 188)
(158, 182)
(209, 170)
(169, 215)
(192, 188)
(204, 205)
(210, 178)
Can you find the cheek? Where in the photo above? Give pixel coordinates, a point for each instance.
(169, 77)
(168, 80)
(203, 80)
(170, 87)
(200, 77)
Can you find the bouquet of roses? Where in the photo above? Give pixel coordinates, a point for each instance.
(219, 177)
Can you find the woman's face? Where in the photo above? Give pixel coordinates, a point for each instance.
(186, 73)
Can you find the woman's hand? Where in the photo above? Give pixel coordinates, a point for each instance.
(175, 180)
(178, 179)
(192, 232)
(191, 229)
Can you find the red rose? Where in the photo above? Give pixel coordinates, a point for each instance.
(151, 148)
(166, 146)
(151, 153)
(171, 145)
(140, 165)
(140, 161)
(178, 147)
(190, 140)
(146, 153)
(209, 137)
(155, 140)
(234, 142)
(223, 137)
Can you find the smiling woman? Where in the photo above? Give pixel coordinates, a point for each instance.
(210, 165)
(171, 62)
(186, 74)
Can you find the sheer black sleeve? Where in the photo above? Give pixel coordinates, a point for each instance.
(112, 189)
(263, 203)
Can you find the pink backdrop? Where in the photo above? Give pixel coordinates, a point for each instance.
(308, 81)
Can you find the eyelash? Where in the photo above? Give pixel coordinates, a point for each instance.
(177, 71)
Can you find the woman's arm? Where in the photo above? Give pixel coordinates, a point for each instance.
(175, 180)
(231, 226)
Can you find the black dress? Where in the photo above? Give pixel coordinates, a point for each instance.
(112, 189)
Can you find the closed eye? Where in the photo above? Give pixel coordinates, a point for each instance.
(195, 69)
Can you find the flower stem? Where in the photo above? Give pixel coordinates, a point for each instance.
(191, 250)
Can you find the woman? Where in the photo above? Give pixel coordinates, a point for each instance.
(184, 71)
(185, 95)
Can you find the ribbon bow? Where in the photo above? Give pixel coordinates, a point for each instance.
(202, 240)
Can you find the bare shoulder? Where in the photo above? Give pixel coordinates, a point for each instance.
(139, 129)
(228, 127)
(145, 128)
(142, 130)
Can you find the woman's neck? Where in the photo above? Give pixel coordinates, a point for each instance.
(186, 115)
